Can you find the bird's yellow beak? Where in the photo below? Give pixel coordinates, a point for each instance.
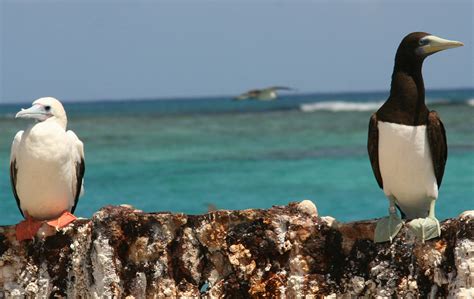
(431, 44)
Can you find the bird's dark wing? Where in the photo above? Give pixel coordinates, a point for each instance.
(438, 145)
(13, 174)
(80, 170)
(253, 92)
(280, 88)
(13, 168)
(79, 167)
(249, 94)
(373, 148)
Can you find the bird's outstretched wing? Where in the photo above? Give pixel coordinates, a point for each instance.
(373, 148)
(79, 167)
(438, 145)
(280, 88)
(246, 95)
(13, 169)
(254, 93)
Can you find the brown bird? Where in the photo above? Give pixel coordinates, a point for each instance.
(407, 143)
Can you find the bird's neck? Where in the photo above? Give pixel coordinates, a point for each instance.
(407, 93)
(60, 121)
(53, 121)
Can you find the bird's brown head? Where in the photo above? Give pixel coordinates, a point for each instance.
(416, 46)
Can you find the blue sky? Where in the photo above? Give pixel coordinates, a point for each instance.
(90, 50)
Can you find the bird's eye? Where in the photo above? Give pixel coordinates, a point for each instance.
(423, 42)
(47, 108)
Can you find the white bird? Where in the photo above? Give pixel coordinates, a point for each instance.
(46, 168)
(266, 94)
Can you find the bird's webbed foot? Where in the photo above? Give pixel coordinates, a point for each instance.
(425, 228)
(387, 228)
(62, 220)
(27, 229)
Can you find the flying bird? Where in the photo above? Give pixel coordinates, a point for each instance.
(407, 143)
(46, 168)
(266, 94)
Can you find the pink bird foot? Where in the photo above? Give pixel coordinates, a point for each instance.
(62, 221)
(27, 228)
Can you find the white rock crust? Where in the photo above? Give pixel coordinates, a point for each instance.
(308, 207)
(79, 263)
(463, 282)
(279, 252)
(467, 214)
(104, 269)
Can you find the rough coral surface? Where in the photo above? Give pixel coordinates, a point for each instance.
(284, 252)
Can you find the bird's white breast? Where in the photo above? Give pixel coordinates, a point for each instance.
(407, 168)
(45, 171)
(267, 95)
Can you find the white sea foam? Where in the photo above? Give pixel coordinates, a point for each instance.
(341, 106)
(470, 102)
(438, 101)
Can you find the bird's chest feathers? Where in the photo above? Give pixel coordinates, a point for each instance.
(45, 143)
(412, 140)
(267, 95)
(405, 162)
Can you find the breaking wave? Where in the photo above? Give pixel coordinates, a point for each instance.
(340, 106)
(337, 106)
(7, 115)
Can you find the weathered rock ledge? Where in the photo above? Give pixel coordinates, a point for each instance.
(284, 252)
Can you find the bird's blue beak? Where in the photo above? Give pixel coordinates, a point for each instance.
(36, 111)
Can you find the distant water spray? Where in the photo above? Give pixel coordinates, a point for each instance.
(341, 106)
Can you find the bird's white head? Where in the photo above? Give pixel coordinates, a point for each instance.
(43, 109)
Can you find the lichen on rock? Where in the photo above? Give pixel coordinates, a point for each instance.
(285, 252)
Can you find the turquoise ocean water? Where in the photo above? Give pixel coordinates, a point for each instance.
(181, 155)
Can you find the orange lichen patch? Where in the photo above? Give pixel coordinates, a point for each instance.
(270, 285)
(355, 231)
(299, 265)
(257, 288)
(440, 245)
(275, 285)
(242, 258)
(138, 250)
(303, 234)
(428, 257)
(213, 235)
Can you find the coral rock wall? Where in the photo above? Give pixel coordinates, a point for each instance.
(283, 252)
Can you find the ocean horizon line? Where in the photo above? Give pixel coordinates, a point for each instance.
(229, 96)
